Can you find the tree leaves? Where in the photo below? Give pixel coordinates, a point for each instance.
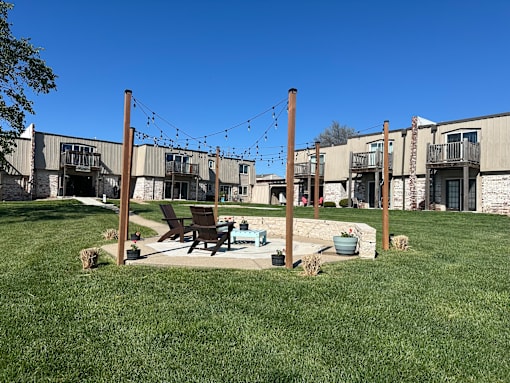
(335, 135)
(21, 69)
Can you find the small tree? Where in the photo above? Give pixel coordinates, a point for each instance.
(21, 69)
(335, 135)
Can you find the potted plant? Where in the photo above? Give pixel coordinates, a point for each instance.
(134, 252)
(136, 236)
(243, 225)
(224, 220)
(278, 259)
(345, 243)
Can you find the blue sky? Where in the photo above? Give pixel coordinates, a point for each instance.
(203, 67)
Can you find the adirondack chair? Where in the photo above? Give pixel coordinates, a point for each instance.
(207, 229)
(176, 226)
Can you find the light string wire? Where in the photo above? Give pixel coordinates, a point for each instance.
(163, 137)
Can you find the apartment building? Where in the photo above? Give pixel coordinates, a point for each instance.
(458, 165)
(46, 165)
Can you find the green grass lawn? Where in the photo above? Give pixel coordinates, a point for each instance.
(437, 313)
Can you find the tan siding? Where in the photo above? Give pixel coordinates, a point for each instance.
(48, 148)
(20, 159)
(494, 144)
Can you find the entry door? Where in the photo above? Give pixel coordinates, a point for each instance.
(371, 193)
(180, 190)
(454, 193)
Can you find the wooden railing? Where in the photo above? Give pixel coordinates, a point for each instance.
(453, 153)
(304, 169)
(82, 161)
(370, 160)
(177, 167)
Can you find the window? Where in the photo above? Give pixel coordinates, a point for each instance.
(313, 161)
(177, 158)
(379, 145)
(243, 169)
(211, 164)
(471, 136)
(77, 148)
(313, 158)
(376, 152)
(243, 190)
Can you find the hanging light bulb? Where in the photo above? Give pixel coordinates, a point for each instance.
(226, 135)
(249, 125)
(273, 112)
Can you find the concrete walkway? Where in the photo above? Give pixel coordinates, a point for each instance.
(243, 254)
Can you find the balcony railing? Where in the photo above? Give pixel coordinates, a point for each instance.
(453, 153)
(370, 161)
(305, 169)
(177, 167)
(81, 161)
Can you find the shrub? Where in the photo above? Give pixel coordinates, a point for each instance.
(329, 204)
(344, 202)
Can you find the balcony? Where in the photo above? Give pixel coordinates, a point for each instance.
(453, 154)
(305, 169)
(369, 161)
(181, 168)
(80, 161)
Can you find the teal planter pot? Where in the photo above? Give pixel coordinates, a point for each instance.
(345, 245)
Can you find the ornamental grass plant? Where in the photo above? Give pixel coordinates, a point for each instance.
(438, 314)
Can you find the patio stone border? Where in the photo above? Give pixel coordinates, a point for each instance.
(318, 229)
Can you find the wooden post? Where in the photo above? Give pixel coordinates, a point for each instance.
(427, 181)
(217, 183)
(317, 177)
(404, 134)
(465, 174)
(124, 188)
(289, 208)
(130, 162)
(349, 183)
(385, 191)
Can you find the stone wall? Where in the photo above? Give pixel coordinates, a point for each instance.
(46, 184)
(496, 194)
(334, 192)
(148, 188)
(14, 188)
(319, 229)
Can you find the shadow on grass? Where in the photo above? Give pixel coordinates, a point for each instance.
(47, 211)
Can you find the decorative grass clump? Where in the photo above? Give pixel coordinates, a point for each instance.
(329, 204)
(89, 257)
(110, 234)
(400, 242)
(311, 264)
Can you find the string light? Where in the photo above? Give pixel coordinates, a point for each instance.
(163, 140)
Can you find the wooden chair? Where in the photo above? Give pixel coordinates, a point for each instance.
(176, 225)
(207, 229)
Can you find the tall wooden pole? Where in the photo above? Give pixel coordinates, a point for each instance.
(317, 177)
(289, 208)
(130, 162)
(385, 191)
(217, 183)
(124, 188)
